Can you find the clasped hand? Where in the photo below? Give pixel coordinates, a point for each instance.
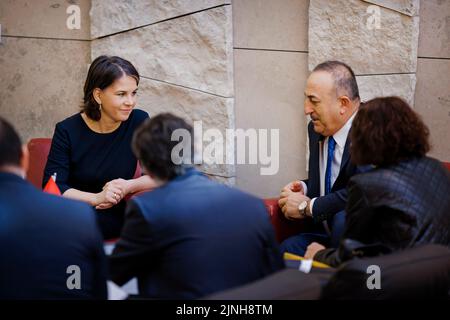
(290, 198)
(112, 193)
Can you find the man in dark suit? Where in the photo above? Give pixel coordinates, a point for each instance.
(331, 100)
(50, 247)
(403, 201)
(190, 236)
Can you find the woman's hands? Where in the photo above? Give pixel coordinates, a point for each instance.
(112, 193)
(115, 190)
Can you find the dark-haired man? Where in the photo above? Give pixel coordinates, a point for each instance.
(331, 100)
(190, 236)
(50, 247)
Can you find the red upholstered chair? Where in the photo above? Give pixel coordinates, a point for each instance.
(285, 228)
(39, 149)
(447, 165)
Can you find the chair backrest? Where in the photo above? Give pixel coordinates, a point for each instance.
(39, 149)
(414, 273)
(447, 165)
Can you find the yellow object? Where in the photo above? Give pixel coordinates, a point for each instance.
(315, 264)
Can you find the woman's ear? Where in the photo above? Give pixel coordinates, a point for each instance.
(96, 94)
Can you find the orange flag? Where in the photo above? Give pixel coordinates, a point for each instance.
(51, 186)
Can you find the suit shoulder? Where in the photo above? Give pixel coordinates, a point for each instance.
(68, 205)
(139, 202)
(241, 196)
(432, 162)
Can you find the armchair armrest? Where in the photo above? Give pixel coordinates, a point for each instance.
(285, 228)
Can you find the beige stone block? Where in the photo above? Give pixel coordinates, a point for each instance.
(434, 37)
(269, 95)
(43, 18)
(433, 103)
(343, 30)
(268, 24)
(408, 7)
(194, 51)
(402, 85)
(112, 16)
(41, 83)
(215, 112)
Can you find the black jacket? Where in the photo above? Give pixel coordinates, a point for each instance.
(43, 239)
(396, 207)
(192, 237)
(326, 207)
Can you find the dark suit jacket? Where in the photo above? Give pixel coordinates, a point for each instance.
(192, 237)
(396, 207)
(326, 207)
(41, 235)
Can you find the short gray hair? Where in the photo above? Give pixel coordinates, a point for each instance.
(344, 77)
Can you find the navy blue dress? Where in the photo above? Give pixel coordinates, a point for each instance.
(86, 160)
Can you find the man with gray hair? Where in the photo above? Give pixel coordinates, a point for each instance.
(331, 100)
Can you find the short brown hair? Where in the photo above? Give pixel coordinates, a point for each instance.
(152, 144)
(386, 131)
(10, 144)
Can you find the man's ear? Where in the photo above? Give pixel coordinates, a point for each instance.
(346, 104)
(25, 158)
(96, 95)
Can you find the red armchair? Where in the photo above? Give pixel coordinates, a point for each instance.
(447, 165)
(38, 149)
(284, 228)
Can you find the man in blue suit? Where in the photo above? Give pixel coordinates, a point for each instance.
(50, 247)
(332, 101)
(190, 236)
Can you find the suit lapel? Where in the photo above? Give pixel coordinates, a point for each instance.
(346, 154)
(344, 162)
(314, 171)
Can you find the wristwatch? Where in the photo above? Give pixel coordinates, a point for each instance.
(302, 208)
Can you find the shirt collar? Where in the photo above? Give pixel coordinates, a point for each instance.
(341, 135)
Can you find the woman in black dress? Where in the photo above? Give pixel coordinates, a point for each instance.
(91, 150)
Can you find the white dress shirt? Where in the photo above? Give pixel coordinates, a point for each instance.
(340, 137)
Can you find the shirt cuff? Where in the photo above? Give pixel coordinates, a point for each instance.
(311, 205)
(305, 188)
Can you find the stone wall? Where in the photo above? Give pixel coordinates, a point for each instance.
(183, 51)
(43, 63)
(240, 64)
(377, 38)
(433, 74)
(271, 67)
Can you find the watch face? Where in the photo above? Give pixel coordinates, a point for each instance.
(302, 206)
